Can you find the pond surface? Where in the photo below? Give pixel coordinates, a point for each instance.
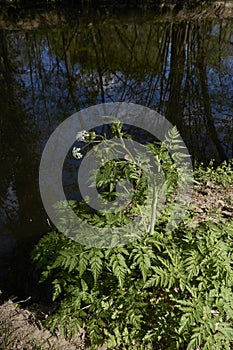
(183, 70)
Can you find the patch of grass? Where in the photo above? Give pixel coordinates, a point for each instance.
(222, 175)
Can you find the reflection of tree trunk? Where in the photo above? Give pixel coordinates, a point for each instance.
(18, 143)
(129, 45)
(71, 80)
(18, 173)
(208, 112)
(177, 60)
(6, 69)
(99, 70)
(201, 64)
(163, 58)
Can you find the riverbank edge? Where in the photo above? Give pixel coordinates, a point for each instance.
(14, 18)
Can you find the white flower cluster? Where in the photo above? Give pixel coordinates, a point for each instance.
(81, 135)
(76, 153)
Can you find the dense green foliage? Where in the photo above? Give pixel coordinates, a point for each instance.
(166, 290)
(220, 175)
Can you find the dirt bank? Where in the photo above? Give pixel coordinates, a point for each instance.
(22, 329)
(218, 9)
(12, 18)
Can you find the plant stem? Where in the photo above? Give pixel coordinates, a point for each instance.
(126, 149)
(153, 209)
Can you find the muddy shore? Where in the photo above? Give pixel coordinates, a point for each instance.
(12, 18)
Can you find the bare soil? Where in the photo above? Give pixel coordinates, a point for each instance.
(212, 202)
(21, 329)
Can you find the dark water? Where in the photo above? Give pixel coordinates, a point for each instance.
(184, 70)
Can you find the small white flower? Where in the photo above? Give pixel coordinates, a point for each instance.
(76, 154)
(81, 135)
